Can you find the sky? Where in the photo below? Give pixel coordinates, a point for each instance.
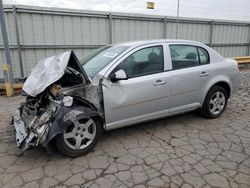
(207, 9)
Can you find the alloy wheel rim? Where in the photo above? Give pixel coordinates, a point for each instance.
(217, 103)
(80, 134)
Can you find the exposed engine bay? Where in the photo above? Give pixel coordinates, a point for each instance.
(55, 86)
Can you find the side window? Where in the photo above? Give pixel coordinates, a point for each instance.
(183, 56)
(204, 57)
(143, 62)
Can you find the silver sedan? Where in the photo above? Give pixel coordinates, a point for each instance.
(120, 85)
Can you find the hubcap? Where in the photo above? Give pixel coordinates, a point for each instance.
(217, 103)
(80, 133)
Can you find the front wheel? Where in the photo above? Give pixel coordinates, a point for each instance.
(79, 137)
(215, 102)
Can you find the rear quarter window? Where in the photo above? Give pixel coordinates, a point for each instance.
(203, 54)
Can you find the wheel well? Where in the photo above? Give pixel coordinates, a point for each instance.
(82, 102)
(225, 86)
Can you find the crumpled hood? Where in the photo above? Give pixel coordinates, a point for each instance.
(48, 71)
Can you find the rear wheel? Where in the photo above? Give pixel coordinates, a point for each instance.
(79, 137)
(215, 102)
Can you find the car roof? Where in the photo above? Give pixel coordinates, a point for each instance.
(146, 42)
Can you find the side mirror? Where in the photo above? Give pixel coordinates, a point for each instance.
(118, 75)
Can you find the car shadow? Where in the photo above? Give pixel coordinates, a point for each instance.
(136, 130)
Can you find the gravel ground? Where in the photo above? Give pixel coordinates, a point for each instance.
(181, 151)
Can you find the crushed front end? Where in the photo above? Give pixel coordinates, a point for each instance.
(57, 85)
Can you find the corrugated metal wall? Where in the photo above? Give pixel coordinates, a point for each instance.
(47, 31)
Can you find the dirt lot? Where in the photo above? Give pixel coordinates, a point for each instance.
(181, 151)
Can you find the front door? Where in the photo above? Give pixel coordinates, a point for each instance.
(144, 95)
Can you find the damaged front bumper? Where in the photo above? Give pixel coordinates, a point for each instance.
(21, 133)
(32, 128)
(30, 136)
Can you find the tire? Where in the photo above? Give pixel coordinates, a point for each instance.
(79, 138)
(215, 103)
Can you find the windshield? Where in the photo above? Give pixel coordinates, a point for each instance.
(99, 58)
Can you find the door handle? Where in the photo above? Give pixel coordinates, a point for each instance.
(160, 82)
(204, 74)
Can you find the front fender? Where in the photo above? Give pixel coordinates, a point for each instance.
(62, 120)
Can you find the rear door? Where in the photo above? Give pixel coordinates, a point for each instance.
(189, 75)
(145, 95)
